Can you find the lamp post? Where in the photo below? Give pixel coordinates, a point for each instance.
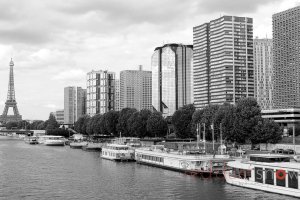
(204, 142)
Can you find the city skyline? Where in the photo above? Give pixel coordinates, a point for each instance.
(54, 44)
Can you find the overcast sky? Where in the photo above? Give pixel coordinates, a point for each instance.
(54, 43)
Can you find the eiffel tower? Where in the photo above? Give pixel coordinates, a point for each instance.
(11, 99)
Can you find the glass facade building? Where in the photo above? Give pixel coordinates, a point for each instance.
(117, 95)
(74, 104)
(263, 72)
(286, 59)
(172, 77)
(223, 61)
(100, 92)
(135, 89)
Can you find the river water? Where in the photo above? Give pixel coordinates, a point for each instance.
(42, 172)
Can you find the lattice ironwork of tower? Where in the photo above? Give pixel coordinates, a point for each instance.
(11, 99)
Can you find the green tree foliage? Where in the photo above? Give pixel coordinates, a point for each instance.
(266, 131)
(10, 125)
(134, 124)
(182, 121)
(125, 114)
(247, 116)
(80, 125)
(207, 119)
(41, 126)
(156, 125)
(23, 124)
(97, 124)
(59, 131)
(224, 118)
(51, 123)
(111, 121)
(34, 124)
(90, 125)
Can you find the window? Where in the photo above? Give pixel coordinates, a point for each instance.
(258, 174)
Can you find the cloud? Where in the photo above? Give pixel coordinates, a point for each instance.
(73, 74)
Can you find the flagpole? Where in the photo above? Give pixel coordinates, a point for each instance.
(213, 136)
(204, 137)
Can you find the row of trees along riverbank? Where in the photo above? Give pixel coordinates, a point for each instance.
(241, 123)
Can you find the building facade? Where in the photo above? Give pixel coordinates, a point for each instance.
(263, 72)
(136, 89)
(172, 77)
(100, 92)
(74, 104)
(59, 115)
(117, 95)
(223, 61)
(286, 59)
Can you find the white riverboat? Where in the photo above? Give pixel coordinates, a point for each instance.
(191, 162)
(267, 172)
(117, 152)
(51, 140)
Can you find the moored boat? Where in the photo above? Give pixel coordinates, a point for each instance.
(267, 172)
(51, 140)
(78, 145)
(31, 140)
(117, 152)
(93, 146)
(191, 162)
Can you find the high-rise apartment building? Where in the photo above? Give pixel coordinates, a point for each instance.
(223, 61)
(117, 95)
(136, 89)
(74, 104)
(263, 72)
(286, 59)
(59, 115)
(100, 92)
(172, 77)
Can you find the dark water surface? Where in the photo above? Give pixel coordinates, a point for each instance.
(42, 172)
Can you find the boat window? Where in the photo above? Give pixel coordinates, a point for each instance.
(269, 174)
(293, 179)
(280, 177)
(258, 174)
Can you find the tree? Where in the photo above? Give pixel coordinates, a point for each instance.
(135, 124)
(34, 124)
(90, 125)
(111, 121)
(23, 124)
(11, 124)
(97, 124)
(247, 116)
(156, 125)
(51, 123)
(41, 126)
(122, 122)
(224, 118)
(182, 121)
(207, 119)
(81, 124)
(266, 131)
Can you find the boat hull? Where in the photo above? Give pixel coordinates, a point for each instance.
(259, 186)
(118, 159)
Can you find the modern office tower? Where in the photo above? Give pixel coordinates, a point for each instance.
(172, 77)
(100, 92)
(286, 59)
(223, 61)
(74, 104)
(59, 115)
(135, 89)
(117, 95)
(263, 72)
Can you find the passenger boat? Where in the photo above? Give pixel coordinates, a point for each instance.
(51, 140)
(117, 152)
(78, 145)
(191, 162)
(31, 140)
(93, 146)
(267, 172)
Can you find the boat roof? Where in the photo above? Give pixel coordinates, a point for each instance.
(269, 155)
(242, 164)
(117, 145)
(175, 154)
(53, 136)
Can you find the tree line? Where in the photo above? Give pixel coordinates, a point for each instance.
(128, 123)
(241, 123)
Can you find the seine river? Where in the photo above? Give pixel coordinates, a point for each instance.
(41, 172)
